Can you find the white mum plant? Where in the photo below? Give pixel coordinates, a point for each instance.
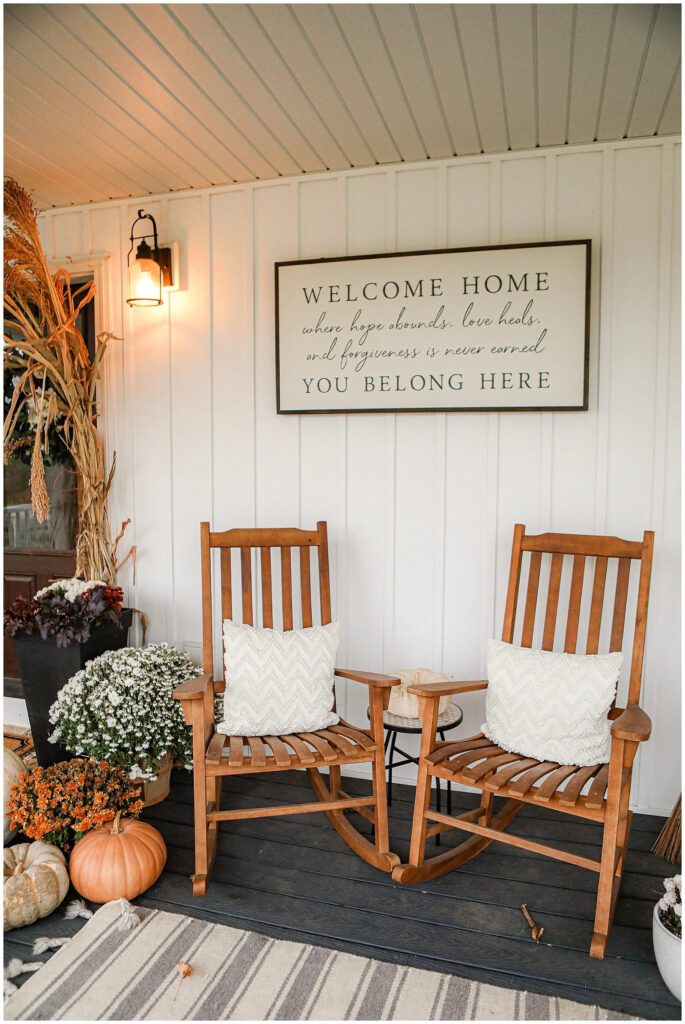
(671, 905)
(120, 708)
(69, 589)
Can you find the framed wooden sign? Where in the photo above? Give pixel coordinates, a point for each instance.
(488, 327)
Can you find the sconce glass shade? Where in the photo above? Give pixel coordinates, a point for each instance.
(144, 283)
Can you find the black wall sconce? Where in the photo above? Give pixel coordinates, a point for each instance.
(150, 269)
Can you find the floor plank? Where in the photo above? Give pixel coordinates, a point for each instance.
(295, 878)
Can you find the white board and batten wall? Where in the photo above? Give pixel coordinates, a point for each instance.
(420, 506)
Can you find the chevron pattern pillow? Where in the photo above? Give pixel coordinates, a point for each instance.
(548, 705)
(277, 682)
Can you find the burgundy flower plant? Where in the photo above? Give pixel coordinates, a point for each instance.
(67, 610)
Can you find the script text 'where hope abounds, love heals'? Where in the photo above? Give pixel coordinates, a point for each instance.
(502, 327)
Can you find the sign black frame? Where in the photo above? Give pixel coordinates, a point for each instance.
(587, 242)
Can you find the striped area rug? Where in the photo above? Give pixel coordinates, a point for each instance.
(106, 974)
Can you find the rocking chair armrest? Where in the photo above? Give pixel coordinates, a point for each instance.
(370, 678)
(195, 688)
(632, 724)
(446, 689)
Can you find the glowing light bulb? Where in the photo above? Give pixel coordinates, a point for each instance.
(144, 283)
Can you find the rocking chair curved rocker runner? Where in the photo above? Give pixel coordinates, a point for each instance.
(216, 755)
(478, 763)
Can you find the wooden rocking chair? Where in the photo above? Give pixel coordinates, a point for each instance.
(216, 755)
(478, 763)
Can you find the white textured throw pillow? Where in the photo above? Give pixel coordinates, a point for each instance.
(548, 705)
(277, 682)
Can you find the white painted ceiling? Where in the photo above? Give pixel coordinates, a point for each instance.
(111, 100)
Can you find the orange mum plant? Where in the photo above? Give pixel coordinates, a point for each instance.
(62, 802)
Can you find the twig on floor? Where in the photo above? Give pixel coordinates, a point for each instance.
(535, 934)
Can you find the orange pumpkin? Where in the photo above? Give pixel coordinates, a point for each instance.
(122, 858)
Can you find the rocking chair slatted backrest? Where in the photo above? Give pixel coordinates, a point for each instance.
(607, 605)
(255, 548)
(265, 577)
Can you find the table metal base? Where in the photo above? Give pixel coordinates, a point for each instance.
(391, 749)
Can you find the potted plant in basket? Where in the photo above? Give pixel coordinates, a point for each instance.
(120, 708)
(667, 934)
(55, 634)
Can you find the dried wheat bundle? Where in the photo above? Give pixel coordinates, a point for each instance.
(56, 378)
(668, 844)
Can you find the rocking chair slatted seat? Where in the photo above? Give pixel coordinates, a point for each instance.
(216, 755)
(599, 792)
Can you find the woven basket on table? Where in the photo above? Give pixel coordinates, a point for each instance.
(406, 705)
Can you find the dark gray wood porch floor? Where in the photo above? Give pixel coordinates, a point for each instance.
(295, 878)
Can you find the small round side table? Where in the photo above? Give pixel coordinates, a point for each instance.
(395, 724)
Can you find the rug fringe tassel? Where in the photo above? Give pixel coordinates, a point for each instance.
(14, 968)
(77, 908)
(43, 944)
(129, 917)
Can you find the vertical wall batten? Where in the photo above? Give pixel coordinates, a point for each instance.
(420, 507)
(548, 422)
(578, 211)
(388, 505)
(438, 640)
(418, 445)
(666, 494)
(604, 300)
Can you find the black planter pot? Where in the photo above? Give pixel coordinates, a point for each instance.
(45, 668)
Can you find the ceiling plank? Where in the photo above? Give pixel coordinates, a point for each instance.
(360, 27)
(68, 174)
(670, 123)
(476, 30)
(312, 73)
(631, 35)
(136, 99)
(660, 66)
(554, 36)
(66, 140)
(120, 87)
(30, 84)
(164, 92)
(187, 72)
(200, 24)
(68, 134)
(47, 187)
(594, 27)
(438, 28)
(44, 142)
(405, 46)
(514, 24)
(318, 21)
(243, 27)
(69, 74)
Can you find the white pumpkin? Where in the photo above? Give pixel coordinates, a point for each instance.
(406, 705)
(13, 766)
(36, 881)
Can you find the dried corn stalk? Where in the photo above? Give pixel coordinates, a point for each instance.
(668, 844)
(48, 354)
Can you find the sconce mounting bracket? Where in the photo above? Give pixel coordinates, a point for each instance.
(166, 264)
